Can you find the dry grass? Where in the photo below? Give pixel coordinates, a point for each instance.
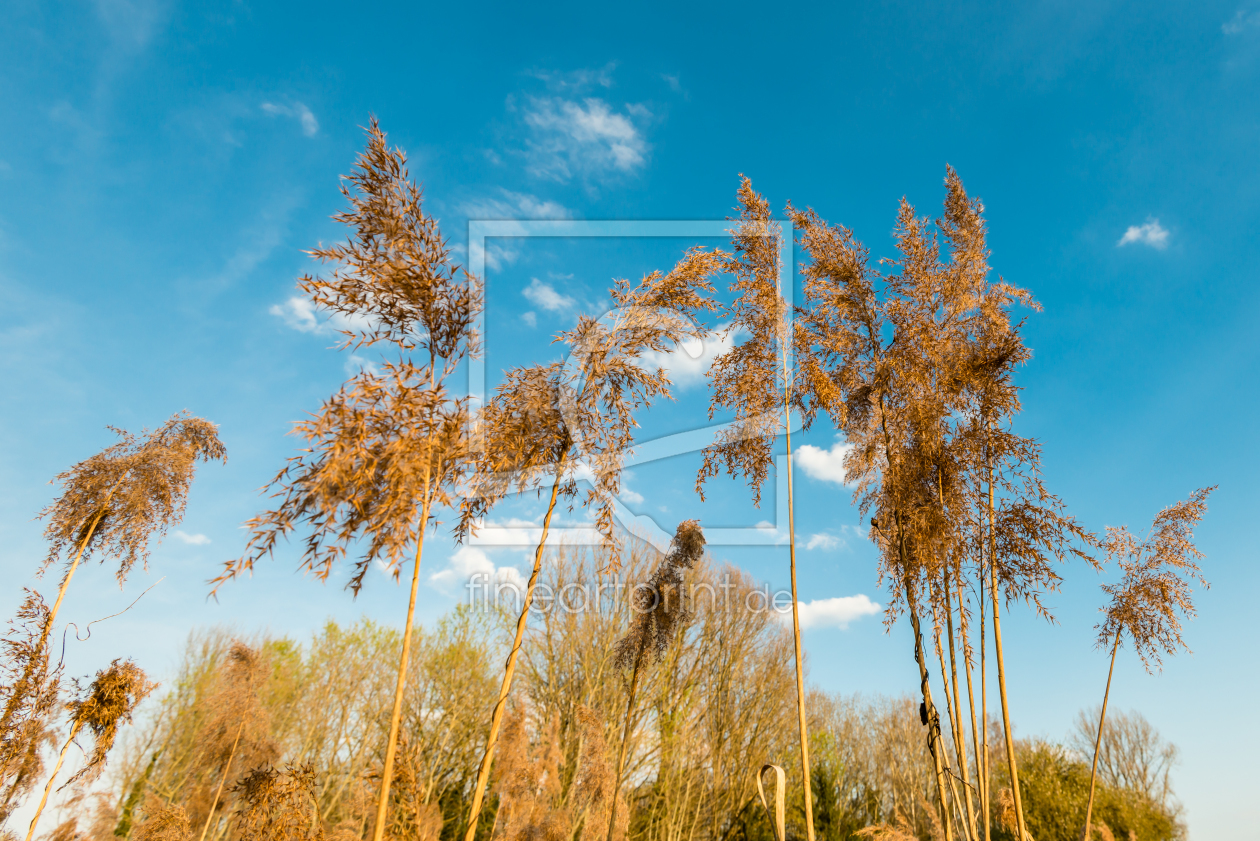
(278, 806)
(164, 823)
(29, 688)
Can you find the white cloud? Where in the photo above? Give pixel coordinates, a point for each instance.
(823, 465)
(530, 318)
(584, 138)
(357, 363)
(298, 313)
(822, 540)
(193, 539)
(302, 315)
(511, 205)
(469, 561)
(689, 361)
(524, 534)
(1240, 21)
(310, 126)
(832, 613)
(1152, 234)
(544, 296)
(632, 497)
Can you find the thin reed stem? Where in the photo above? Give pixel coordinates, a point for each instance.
(483, 772)
(933, 719)
(796, 647)
(984, 683)
(43, 801)
(395, 719)
(807, 781)
(625, 744)
(997, 649)
(1102, 717)
(964, 630)
(960, 730)
(227, 767)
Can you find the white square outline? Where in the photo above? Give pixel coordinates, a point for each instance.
(640, 525)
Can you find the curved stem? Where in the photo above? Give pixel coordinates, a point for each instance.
(483, 772)
(1102, 717)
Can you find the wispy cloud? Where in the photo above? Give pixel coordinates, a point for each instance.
(192, 539)
(823, 465)
(1151, 233)
(302, 315)
(469, 561)
(510, 205)
(822, 540)
(310, 126)
(832, 613)
(689, 361)
(576, 81)
(1242, 20)
(524, 534)
(545, 297)
(585, 138)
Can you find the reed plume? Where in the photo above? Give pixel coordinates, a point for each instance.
(757, 380)
(388, 447)
(278, 806)
(236, 733)
(1149, 601)
(113, 504)
(661, 607)
(593, 782)
(108, 701)
(556, 421)
(915, 366)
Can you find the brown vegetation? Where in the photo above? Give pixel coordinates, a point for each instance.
(913, 361)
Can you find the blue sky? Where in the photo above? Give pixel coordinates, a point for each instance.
(163, 167)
